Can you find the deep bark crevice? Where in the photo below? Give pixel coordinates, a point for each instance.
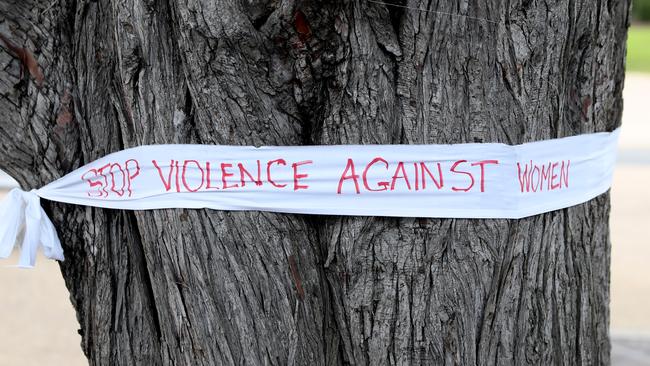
(145, 272)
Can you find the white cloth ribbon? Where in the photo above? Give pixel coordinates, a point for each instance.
(460, 181)
(21, 214)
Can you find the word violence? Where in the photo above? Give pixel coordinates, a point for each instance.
(193, 176)
(175, 175)
(412, 176)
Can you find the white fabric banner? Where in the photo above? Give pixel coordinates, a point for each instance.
(462, 181)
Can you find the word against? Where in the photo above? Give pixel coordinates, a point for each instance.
(414, 176)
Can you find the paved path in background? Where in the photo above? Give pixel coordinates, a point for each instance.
(38, 325)
(630, 229)
(635, 134)
(630, 349)
(37, 322)
(6, 180)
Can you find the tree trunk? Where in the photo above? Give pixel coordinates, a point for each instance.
(82, 79)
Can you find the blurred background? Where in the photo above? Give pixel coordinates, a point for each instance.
(630, 217)
(38, 325)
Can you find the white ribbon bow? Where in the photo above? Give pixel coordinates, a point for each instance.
(21, 213)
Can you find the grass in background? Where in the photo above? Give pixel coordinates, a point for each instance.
(638, 48)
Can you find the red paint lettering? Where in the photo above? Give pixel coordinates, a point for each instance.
(532, 178)
(482, 164)
(524, 180)
(92, 183)
(400, 166)
(553, 176)
(243, 171)
(349, 167)
(453, 169)
(424, 180)
(383, 185)
(417, 177)
(268, 172)
(130, 175)
(168, 183)
(564, 174)
(178, 186)
(297, 176)
(546, 172)
(101, 172)
(225, 174)
(535, 178)
(184, 175)
(208, 177)
(119, 192)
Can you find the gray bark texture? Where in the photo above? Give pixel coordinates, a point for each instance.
(80, 79)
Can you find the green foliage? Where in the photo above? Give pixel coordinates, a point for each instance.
(641, 10)
(638, 48)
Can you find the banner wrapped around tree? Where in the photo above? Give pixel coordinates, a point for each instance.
(460, 181)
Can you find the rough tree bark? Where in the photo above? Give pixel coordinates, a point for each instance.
(81, 79)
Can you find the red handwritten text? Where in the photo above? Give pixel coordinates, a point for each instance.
(413, 176)
(111, 179)
(547, 176)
